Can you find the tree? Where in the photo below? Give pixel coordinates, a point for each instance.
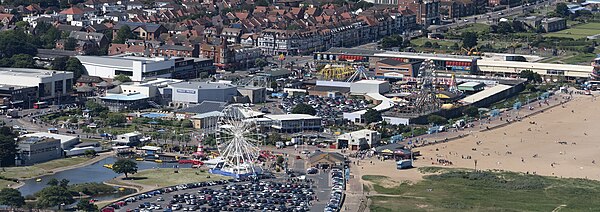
(304, 109)
(8, 146)
(22, 61)
(562, 10)
(74, 65)
(274, 85)
(90, 152)
(273, 138)
(259, 62)
(392, 41)
(372, 116)
(279, 160)
(60, 63)
(471, 111)
(469, 39)
(53, 182)
(187, 124)
(531, 87)
(95, 108)
(263, 3)
(504, 28)
(455, 46)
(427, 44)
(11, 197)
(115, 119)
(14, 42)
(63, 183)
(70, 44)
(52, 196)
(437, 120)
(530, 76)
(362, 5)
(85, 205)
(122, 78)
(123, 34)
(125, 166)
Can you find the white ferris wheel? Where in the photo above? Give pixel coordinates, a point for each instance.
(237, 140)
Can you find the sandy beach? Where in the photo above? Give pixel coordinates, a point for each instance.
(563, 141)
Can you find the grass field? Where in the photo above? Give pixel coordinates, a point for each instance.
(422, 40)
(583, 58)
(476, 27)
(576, 32)
(25, 172)
(166, 177)
(461, 190)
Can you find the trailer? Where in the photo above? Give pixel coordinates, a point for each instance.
(404, 164)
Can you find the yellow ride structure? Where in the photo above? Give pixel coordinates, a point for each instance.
(337, 72)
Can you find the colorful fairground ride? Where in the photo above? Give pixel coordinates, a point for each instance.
(595, 75)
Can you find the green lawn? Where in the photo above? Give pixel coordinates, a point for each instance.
(578, 59)
(25, 172)
(579, 31)
(166, 177)
(62, 163)
(420, 41)
(477, 27)
(459, 190)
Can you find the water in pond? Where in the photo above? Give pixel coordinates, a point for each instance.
(92, 173)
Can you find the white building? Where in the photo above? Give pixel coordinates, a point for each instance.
(66, 142)
(137, 68)
(128, 139)
(197, 92)
(50, 83)
(359, 140)
(370, 86)
(295, 122)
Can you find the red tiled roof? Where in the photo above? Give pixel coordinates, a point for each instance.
(72, 11)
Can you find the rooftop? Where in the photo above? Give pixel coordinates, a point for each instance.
(372, 82)
(125, 97)
(200, 85)
(204, 107)
(29, 72)
(121, 61)
(62, 138)
(485, 93)
(286, 117)
(34, 140)
(366, 52)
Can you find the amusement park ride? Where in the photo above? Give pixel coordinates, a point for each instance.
(425, 100)
(345, 72)
(237, 142)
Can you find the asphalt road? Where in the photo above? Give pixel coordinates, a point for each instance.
(494, 15)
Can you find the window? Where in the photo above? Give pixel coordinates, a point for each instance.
(126, 73)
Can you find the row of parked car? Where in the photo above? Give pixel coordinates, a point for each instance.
(337, 191)
(231, 195)
(326, 107)
(159, 193)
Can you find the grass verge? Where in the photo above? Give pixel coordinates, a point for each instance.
(166, 177)
(465, 190)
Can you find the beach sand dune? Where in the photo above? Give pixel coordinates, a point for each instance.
(563, 141)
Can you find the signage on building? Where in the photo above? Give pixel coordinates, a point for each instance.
(186, 91)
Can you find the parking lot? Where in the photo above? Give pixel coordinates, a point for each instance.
(326, 107)
(232, 195)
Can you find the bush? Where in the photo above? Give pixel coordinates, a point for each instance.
(91, 188)
(437, 120)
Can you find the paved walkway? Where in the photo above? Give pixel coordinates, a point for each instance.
(355, 196)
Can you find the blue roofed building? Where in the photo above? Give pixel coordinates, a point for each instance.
(125, 101)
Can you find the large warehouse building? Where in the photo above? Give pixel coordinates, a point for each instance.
(197, 92)
(380, 61)
(21, 87)
(143, 68)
